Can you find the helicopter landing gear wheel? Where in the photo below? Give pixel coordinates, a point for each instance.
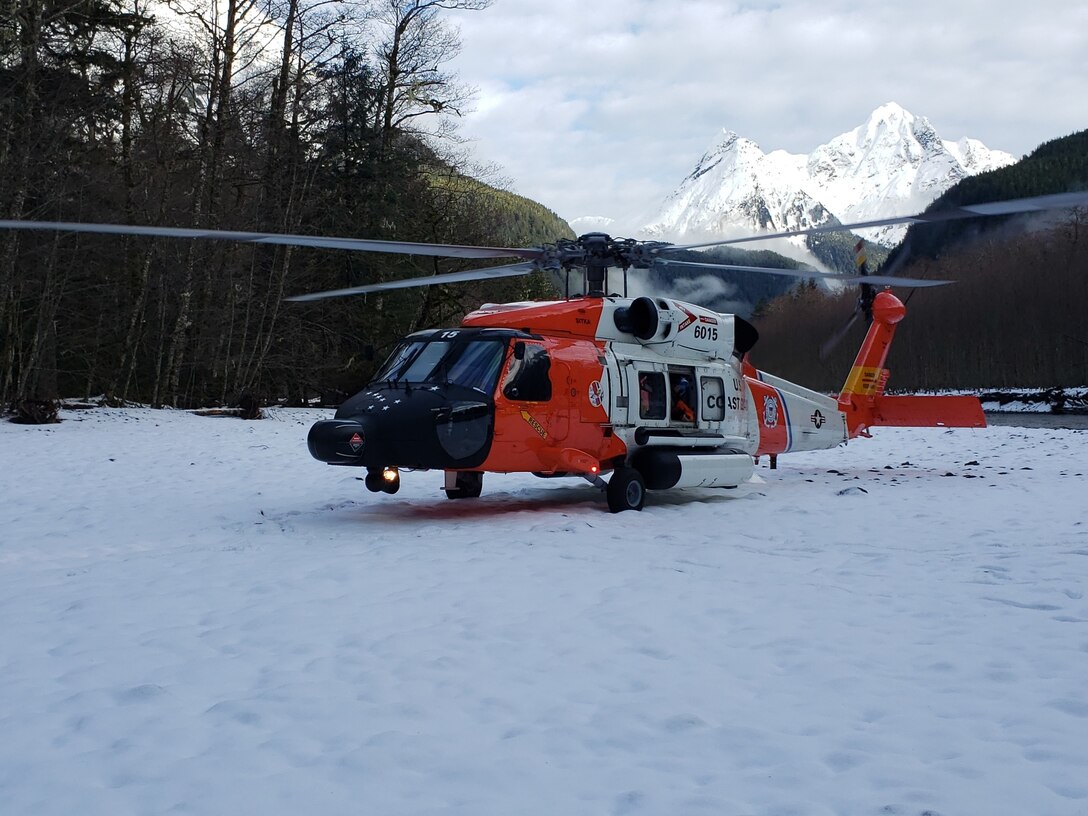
(382, 480)
(374, 481)
(626, 490)
(467, 484)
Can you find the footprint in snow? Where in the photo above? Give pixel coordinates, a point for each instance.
(682, 723)
(138, 694)
(1038, 607)
(1078, 708)
(628, 802)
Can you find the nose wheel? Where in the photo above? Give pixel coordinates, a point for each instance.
(464, 484)
(626, 490)
(385, 480)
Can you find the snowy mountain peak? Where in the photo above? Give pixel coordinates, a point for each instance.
(591, 223)
(889, 114)
(895, 163)
(726, 139)
(730, 148)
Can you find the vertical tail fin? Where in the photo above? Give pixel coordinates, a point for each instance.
(862, 398)
(868, 375)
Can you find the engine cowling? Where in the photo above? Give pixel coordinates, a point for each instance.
(645, 319)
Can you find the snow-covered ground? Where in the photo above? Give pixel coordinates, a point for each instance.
(196, 617)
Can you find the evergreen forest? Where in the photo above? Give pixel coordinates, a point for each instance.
(285, 116)
(339, 117)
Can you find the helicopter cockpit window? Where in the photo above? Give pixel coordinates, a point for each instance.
(651, 395)
(477, 366)
(398, 360)
(527, 378)
(469, 363)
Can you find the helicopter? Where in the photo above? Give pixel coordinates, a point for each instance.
(654, 392)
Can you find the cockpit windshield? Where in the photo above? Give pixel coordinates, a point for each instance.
(469, 363)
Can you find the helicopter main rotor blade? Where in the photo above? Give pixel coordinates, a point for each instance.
(357, 244)
(830, 344)
(770, 270)
(510, 270)
(883, 280)
(879, 280)
(1017, 205)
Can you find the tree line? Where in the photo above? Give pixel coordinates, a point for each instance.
(1014, 318)
(291, 116)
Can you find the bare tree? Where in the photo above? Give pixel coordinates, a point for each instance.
(415, 44)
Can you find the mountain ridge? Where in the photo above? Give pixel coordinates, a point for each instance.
(894, 163)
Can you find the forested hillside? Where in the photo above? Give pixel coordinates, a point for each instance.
(1015, 317)
(293, 116)
(1057, 166)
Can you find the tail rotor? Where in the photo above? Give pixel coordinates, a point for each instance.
(867, 293)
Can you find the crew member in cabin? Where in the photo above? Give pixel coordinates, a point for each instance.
(681, 400)
(651, 395)
(644, 393)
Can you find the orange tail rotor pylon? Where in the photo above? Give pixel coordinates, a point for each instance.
(862, 398)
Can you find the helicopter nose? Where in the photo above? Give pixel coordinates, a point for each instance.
(337, 441)
(423, 428)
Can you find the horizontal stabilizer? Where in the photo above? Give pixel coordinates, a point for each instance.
(928, 412)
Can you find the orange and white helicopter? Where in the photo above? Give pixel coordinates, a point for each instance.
(657, 392)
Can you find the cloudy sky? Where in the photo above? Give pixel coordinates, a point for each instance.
(601, 107)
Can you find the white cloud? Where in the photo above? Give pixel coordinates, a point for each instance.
(601, 108)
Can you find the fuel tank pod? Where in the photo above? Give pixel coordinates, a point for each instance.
(662, 469)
